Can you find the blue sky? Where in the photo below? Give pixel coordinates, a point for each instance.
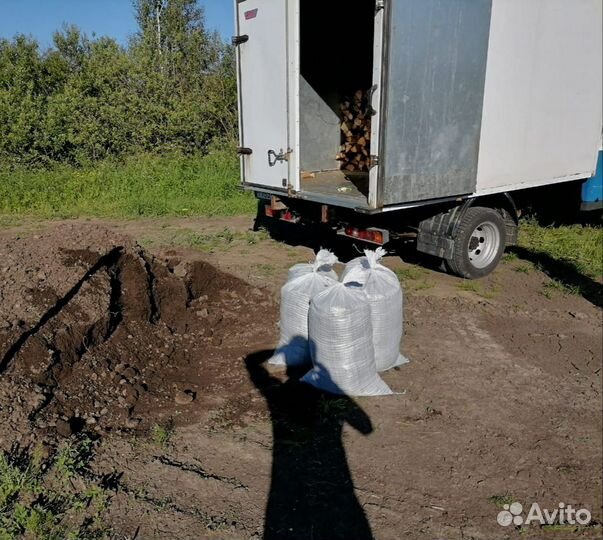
(40, 18)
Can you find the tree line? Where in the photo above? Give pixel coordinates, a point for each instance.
(171, 88)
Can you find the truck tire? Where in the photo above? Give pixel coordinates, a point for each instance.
(479, 243)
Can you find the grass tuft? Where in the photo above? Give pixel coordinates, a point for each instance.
(523, 269)
(413, 278)
(478, 289)
(556, 286)
(410, 273)
(501, 500)
(162, 435)
(51, 499)
(211, 242)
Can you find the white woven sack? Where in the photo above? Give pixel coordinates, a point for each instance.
(292, 349)
(384, 294)
(324, 264)
(341, 344)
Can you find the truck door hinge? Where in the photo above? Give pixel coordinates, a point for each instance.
(242, 151)
(274, 158)
(374, 161)
(239, 40)
(379, 5)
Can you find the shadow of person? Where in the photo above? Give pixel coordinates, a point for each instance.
(311, 492)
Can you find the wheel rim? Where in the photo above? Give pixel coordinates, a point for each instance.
(484, 244)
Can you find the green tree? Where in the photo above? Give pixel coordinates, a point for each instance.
(172, 88)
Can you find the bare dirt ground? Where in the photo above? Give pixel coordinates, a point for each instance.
(148, 337)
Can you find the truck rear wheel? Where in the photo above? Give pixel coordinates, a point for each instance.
(479, 243)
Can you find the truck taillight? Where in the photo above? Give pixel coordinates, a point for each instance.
(375, 236)
(282, 214)
(288, 216)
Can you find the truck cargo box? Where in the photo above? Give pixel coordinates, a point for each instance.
(464, 97)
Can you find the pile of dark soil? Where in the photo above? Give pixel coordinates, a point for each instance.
(114, 338)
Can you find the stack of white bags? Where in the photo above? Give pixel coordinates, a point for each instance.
(347, 331)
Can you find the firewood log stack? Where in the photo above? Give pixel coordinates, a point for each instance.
(355, 151)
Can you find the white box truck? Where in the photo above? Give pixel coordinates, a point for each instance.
(471, 101)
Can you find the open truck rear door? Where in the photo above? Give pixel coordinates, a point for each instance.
(430, 57)
(375, 193)
(262, 59)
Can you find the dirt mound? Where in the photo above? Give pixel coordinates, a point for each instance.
(114, 338)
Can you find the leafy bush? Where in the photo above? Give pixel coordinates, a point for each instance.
(83, 100)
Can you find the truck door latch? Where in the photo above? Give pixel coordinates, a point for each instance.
(371, 93)
(274, 158)
(379, 5)
(238, 40)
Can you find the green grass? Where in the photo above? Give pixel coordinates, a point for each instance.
(510, 256)
(577, 246)
(72, 460)
(571, 256)
(203, 242)
(558, 528)
(555, 286)
(211, 242)
(266, 269)
(478, 288)
(143, 185)
(501, 500)
(52, 499)
(410, 273)
(162, 435)
(9, 221)
(413, 278)
(523, 269)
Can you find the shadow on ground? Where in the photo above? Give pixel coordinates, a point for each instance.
(318, 237)
(315, 237)
(311, 492)
(564, 272)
